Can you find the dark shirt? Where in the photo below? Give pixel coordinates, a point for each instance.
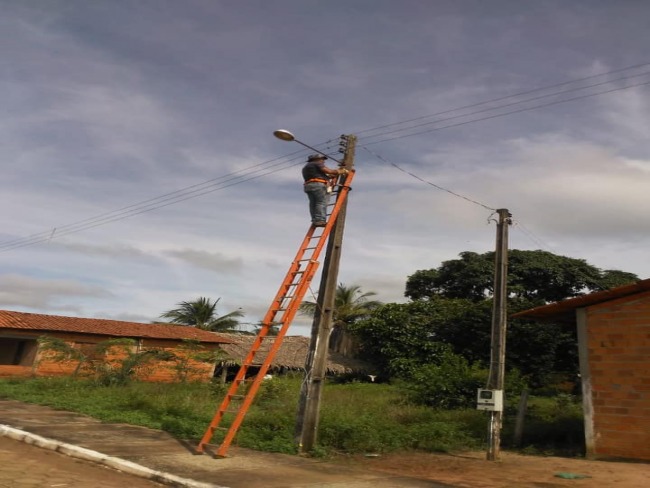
(314, 169)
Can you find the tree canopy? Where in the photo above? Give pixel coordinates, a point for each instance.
(538, 276)
(202, 314)
(452, 307)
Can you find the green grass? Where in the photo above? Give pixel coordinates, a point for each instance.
(355, 417)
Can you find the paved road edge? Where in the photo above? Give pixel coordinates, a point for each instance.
(99, 458)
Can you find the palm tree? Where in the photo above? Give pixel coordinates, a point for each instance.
(201, 314)
(350, 305)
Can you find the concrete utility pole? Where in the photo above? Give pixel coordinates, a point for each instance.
(499, 326)
(316, 364)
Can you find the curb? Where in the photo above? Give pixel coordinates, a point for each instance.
(99, 458)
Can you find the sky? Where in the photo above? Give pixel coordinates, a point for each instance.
(113, 107)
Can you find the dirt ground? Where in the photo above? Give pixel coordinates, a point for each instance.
(513, 470)
(26, 466)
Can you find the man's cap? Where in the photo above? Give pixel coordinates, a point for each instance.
(316, 157)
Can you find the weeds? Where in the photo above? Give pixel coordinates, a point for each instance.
(355, 417)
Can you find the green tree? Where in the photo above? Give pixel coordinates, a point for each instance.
(201, 313)
(351, 304)
(397, 338)
(453, 306)
(538, 276)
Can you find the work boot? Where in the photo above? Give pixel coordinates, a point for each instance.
(319, 224)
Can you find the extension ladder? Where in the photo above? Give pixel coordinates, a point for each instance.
(240, 395)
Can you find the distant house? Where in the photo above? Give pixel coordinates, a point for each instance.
(614, 346)
(291, 356)
(20, 354)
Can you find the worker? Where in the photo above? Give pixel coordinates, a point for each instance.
(317, 178)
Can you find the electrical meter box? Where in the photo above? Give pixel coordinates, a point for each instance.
(491, 400)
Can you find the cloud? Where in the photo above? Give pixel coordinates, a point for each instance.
(214, 261)
(41, 294)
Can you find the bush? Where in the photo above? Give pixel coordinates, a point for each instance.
(450, 383)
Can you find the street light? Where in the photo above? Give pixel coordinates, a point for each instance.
(285, 135)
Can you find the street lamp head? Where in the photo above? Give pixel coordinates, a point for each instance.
(285, 135)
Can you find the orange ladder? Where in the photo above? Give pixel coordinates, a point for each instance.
(282, 311)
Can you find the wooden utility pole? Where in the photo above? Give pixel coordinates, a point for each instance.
(316, 364)
(499, 326)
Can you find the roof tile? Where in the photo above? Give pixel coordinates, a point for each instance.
(115, 328)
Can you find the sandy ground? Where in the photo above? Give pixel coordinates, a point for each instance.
(513, 470)
(26, 466)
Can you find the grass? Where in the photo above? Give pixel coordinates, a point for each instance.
(355, 417)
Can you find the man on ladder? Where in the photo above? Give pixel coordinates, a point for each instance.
(317, 183)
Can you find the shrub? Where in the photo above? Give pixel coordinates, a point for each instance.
(451, 382)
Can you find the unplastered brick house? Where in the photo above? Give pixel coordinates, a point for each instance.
(614, 346)
(21, 354)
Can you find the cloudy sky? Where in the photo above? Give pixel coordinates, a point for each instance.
(111, 108)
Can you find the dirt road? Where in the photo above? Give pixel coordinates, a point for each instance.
(26, 466)
(470, 470)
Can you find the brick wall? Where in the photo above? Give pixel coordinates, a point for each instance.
(163, 371)
(618, 343)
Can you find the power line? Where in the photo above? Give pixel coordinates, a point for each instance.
(161, 201)
(428, 182)
(556, 102)
(514, 95)
(215, 184)
(133, 210)
(531, 235)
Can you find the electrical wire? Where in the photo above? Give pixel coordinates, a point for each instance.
(216, 184)
(556, 102)
(135, 209)
(514, 95)
(531, 235)
(428, 182)
(161, 201)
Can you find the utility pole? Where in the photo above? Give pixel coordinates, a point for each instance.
(316, 364)
(499, 326)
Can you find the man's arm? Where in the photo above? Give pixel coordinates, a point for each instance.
(333, 172)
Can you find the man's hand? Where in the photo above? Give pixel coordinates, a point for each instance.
(343, 171)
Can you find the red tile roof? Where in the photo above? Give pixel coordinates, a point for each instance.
(564, 311)
(114, 328)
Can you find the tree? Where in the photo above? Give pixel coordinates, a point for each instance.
(453, 306)
(538, 276)
(350, 305)
(201, 313)
(396, 338)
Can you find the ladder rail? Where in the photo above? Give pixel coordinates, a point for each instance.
(257, 382)
(304, 278)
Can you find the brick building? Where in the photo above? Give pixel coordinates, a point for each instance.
(20, 353)
(614, 347)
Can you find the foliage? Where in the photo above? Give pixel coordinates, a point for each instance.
(201, 313)
(351, 304)
(110, 362)
(116, 361)
(398, 337)
(533, 275)
(452, 305)
(60, 351)
(553, 426)
(450, 382)
(355, 417)
(189, 352)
